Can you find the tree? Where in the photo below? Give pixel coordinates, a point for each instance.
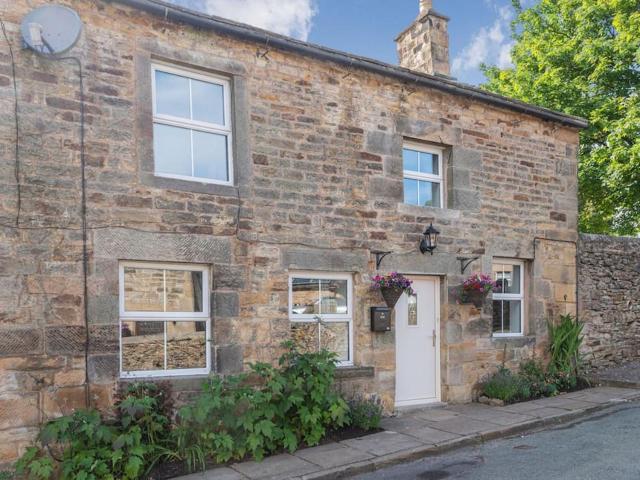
(582, 57)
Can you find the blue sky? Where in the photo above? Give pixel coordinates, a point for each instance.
(478, 30)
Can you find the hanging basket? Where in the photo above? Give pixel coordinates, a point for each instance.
(474, 297)
(391, 295)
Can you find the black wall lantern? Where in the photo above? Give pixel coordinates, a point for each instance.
(429, 240)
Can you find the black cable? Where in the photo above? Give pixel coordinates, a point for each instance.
(17, 127)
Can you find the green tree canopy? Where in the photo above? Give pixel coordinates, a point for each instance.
(582, 57)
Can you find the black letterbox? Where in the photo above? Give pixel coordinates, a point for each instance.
(380, 319)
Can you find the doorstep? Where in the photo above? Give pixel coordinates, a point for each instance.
(420, 433)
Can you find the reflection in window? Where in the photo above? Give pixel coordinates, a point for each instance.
(320, 314)
(508, 298)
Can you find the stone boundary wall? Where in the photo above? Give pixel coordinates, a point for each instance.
(609, 298)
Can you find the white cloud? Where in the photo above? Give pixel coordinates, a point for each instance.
(491, 45)
(288, 17)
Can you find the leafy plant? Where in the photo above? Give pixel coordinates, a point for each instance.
(541, 384)
(478, 282)
(565, 340)
(95, 449)
(393, 280)
(365, 413)
(506, 386)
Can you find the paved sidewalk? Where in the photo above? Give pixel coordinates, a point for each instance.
(419, 433)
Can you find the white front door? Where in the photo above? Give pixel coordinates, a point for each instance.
(417, 344)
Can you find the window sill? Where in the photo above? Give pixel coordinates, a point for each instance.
(194, 186)
(347, 372)
(184, 383)
(436, 212)
(514, 340)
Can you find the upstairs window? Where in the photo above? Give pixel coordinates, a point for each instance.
(423, 180)
(164, 319)
(191, 126)
(508, 297)
(320, 310)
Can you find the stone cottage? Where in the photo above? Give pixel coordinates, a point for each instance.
(211, 189)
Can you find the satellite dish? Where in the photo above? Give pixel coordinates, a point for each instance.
(51, 30)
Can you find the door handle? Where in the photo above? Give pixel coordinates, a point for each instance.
(434, 337)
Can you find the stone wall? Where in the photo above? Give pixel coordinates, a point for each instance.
(609, 303)
(318, 152)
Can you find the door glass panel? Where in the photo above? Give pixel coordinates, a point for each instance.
(143, 289)
(333, 296)
(412, 311)
(142, 346)
(186, 345)
(334, 336)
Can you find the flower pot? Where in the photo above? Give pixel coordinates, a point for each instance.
(474, 297)
(391, 295)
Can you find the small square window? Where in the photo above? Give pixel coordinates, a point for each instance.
(320, 313)
(508, 297)
(422, 166)
(192, 135)
(164, 320)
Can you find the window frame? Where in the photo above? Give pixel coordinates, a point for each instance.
(125, 316)
(413, 175)
(330, 317)
(510, 296)
(169, 120)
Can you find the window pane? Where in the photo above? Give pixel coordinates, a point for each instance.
(210, 156)
(412, 317)
(411, 191)
(305, 336)
(184, 291)
(208, 103)
(172, 150)
(142, 346)
(511, 315)
(186, 345)
(143, 289)
(410, 160)
(512, 278)
(305, 296)
(333, 297)
(497, 316)
(429, 194)
(429, 163)
(335, 338)
(172, 95)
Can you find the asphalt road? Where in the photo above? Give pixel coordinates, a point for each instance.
(604, 446)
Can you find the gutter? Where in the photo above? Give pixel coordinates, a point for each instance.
(245, 32)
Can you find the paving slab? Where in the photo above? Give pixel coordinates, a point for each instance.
(547, 412)
(435, 414)
(420, 429)
(276, 467)
(503, 418)
(464, 426)
(383, 443)
(332, 455)
(222, 473)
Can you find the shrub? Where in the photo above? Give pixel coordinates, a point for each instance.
(292, 404)
(365, 413)
(506, 386)
(565, 340)
(93, 448)
(535, 374)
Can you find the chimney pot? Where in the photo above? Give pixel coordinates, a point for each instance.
(425, 6)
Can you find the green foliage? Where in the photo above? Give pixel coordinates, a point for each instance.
(506, 386)
(365, 413)
(541, 384)
(94, 449)
(565, 340)
(292, 404)
(583, 57)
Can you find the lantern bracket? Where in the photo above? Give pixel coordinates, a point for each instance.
(465, 262)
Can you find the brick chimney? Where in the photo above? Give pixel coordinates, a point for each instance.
(424, 45)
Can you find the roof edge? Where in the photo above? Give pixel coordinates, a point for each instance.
(222, 25)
